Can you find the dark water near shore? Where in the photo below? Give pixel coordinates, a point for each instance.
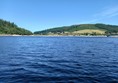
(58, 59)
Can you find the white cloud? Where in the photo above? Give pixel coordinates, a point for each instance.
(108, 12)
(104, 14)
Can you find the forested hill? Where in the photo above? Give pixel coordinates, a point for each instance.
(12, 29)
(82, 29)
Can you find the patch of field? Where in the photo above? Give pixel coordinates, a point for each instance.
(90, 31)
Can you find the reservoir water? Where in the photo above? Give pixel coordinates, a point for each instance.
(58, 59)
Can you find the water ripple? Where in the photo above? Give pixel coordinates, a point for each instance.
(58, 60)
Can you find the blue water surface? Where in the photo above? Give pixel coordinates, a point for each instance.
(58, 59)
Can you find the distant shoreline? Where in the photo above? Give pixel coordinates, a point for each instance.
(59, 35)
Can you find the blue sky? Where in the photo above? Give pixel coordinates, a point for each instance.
(37, 15)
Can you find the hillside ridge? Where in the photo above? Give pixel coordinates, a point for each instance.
(11, 28)
(93, 29)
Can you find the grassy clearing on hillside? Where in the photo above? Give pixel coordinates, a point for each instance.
(90, 31)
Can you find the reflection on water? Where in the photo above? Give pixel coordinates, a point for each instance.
(58, 59)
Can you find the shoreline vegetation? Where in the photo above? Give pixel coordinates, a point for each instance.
(82, 30)
(10, 28)
(3, 35)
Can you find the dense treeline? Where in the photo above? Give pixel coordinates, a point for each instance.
(11, 29)
(109, 29)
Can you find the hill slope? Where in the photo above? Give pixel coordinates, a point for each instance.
(11, 28)
(82, 29)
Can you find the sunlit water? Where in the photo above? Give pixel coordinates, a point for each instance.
(58, 59)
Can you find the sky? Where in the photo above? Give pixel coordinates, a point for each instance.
(36, 15)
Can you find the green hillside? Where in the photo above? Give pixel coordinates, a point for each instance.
(93, 29)
(12, 29)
